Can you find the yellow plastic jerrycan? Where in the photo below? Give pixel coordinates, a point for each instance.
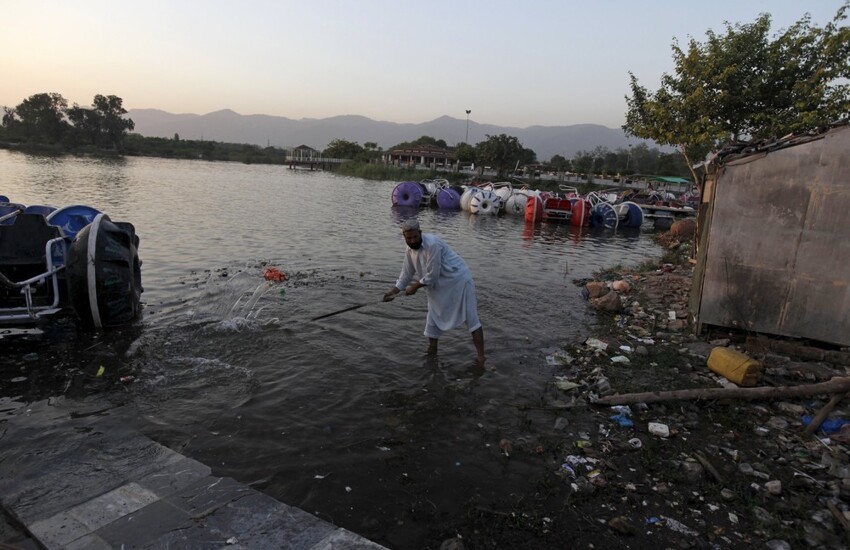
(735, 366)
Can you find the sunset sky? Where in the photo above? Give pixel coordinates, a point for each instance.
(511, 63)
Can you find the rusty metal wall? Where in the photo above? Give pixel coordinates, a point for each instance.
(778, 250)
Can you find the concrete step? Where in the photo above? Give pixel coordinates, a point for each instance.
(75, 476)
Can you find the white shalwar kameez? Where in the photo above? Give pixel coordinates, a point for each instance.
(451, 292)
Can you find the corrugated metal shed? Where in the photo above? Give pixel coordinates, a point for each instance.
(774, 249)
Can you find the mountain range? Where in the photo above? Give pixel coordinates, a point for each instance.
(264, 130)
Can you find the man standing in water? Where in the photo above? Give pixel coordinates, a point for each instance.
(451, 292)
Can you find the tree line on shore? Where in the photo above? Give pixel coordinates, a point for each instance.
(44, 121)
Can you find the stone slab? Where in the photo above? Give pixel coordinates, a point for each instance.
(150, 523)
(207, 495)
(106, 486)
(174, 477)
(58, 530)
(343, 538)
(262, 523)
(113, 505)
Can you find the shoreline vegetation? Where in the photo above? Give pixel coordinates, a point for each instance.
(136, 145)
(44, 123)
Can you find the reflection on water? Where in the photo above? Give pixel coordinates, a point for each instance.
(229, 368)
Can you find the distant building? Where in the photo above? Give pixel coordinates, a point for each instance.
(303, 153)
(427, 155)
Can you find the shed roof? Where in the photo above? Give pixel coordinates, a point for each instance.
(663, 179)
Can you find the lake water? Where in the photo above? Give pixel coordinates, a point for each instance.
(343, 417)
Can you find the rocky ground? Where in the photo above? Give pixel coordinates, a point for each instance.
(689, 473)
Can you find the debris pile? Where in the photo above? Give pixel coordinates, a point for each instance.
(686, 465)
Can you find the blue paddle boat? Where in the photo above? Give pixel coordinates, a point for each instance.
(71, 260)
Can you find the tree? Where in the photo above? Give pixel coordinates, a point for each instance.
(342, 149)
(502, 152)
(424, 140)
(582, 162)
(743, 84)
(11, 122)
(114, 126)
(560, 163)
(86, 126)
(465, 152)
(42, 117)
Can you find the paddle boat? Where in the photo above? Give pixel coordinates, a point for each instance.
(480, 200)
(565, 206)
(607, 214)
(515, 203)
(663, 208)
(435, 193)
(70, 259)
(410, 194)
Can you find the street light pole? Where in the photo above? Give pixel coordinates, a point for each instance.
(467, 126)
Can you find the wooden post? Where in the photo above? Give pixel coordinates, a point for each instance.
(837, 384)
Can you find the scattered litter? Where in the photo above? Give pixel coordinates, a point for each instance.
(735, 366)
(671, 315)
(575, 460)
(635, 443)
(18, 379)
(623, 409)
(126, 379)
(567, 468)
(620, 359)
(382, 448)
(506, 447)
(347, 489)
(275, 275)
(829, 426)
(563, 384)
(559, 358)
(680, 527)
(842, 436)
(627, 349)
(733, 517)
(603, 386)
(595, 343)
(661, 430)
(321, 476)
(100, 371)
(623, 420)
(231, 540)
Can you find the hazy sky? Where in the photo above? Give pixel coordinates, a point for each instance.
(512, 63)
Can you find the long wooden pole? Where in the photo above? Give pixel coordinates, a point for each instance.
(837, 384)
(358, 306)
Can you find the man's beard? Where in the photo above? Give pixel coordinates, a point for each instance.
(416, 246)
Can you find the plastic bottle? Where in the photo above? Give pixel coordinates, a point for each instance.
(735, 366)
